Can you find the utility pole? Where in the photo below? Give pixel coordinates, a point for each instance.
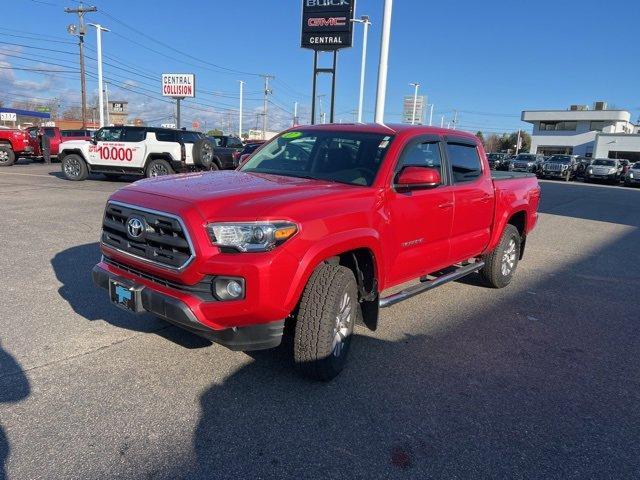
(518, 143)
(267, 92)
(455, 118)
(240, 115)
(415, 101)
(99, 30)
(81, 30)
(441, 121)
(322, 114)
(384, 58)
(295, 113)
(106, 99)
(364, 20)
(431, 115)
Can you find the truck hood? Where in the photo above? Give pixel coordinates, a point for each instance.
(233, 195)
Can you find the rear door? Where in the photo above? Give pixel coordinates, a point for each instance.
(421, 219)
(473, 197)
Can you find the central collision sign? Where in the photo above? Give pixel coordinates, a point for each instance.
(326, 24)
(178, 85)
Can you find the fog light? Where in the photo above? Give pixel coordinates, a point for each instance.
(228, 288)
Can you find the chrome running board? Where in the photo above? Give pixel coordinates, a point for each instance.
(430, 284)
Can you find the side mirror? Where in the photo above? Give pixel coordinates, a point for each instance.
(417, 178)
(93, 140)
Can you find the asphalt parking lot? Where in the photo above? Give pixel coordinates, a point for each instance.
(538, 380)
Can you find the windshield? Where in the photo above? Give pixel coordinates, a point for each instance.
(636, 166)
(526, 157)
(606, 163)
(344, 157)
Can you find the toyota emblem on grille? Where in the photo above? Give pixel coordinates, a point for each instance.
(135, 227)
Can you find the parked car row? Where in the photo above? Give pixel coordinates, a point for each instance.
(569, 167)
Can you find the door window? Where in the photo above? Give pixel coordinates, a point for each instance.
(465, 162)
(109, 134)
(135, 135)
(425, 154)
(166, 136)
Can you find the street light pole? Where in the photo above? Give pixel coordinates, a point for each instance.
(431, 115)
(415, 101)
(99, 30)
(364, 19)
(240, 115)
(384, 58)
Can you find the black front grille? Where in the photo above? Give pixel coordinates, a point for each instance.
(163, 239)
(202, 289)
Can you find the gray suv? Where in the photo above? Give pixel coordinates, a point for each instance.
(527, 162)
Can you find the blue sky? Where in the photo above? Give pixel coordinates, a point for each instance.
(488, 60)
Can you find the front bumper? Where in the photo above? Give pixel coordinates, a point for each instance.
(555, 174)
(610, 176)
(177, 312)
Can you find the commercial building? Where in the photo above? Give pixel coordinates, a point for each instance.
(583, 131)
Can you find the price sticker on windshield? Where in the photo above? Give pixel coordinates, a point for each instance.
(292, 135)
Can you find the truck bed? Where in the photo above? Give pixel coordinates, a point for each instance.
(501, 175)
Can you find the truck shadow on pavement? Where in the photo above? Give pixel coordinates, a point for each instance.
(14, 386)
(72, 268)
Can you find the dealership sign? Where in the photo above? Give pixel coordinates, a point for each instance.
(8, 117)
(178, 85)
(326, 24)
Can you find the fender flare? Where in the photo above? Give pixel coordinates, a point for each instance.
(501, 222)
(360, 238)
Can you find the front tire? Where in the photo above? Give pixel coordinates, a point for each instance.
(158, 168)
(7, 156)
(328, 311)
(74, 168)
(500, 265)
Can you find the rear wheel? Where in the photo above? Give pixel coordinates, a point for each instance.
(324, 325)
(158, 168)
(7, 156)
(500, 265)
(74, 167)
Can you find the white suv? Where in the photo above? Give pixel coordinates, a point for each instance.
(146, 151)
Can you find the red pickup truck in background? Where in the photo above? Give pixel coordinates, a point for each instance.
(312, 231)
(14, 143)
(53, 136)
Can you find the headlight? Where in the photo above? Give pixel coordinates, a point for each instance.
(630, 174)
(589, 170)
(251, 236)
(612, 170)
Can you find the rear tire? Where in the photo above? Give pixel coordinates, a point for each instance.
(328, 311)
(7, 156)
(158, 168)
(74, 168)
(500, 265)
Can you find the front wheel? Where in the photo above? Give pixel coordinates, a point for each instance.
(158, 168)
(74, 168)
(501, 264)
(324, 325)
(7, 156)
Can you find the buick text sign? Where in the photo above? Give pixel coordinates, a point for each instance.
(326, 24)
(178, 85)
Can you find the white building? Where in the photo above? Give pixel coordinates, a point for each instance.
(576, 130)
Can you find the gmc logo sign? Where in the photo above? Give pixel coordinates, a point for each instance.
(327, 22)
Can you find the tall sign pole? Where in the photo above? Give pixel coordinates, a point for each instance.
(364, 19)
(99, 30)
(240, 114)
(327, 26)
(384, 57)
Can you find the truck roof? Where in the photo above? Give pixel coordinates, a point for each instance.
(389, 129)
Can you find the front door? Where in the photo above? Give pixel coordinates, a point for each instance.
(421, 219)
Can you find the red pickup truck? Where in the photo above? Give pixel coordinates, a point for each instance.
(14, 143)
(53, 136)
(312, 231)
